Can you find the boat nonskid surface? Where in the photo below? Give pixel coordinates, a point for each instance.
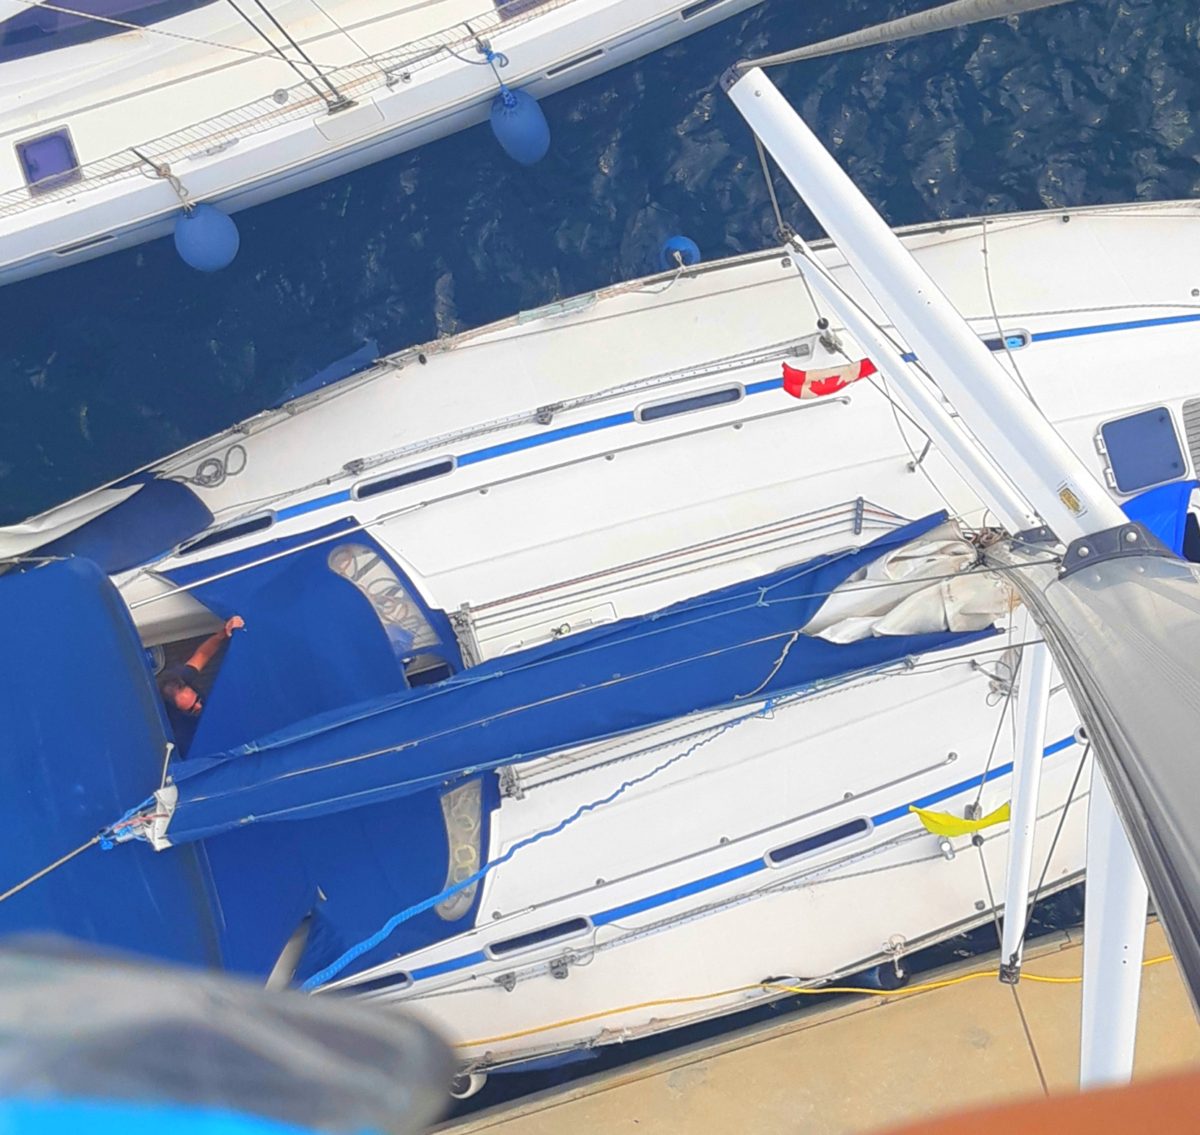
(803, 918)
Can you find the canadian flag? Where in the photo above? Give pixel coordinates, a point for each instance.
(829, 380)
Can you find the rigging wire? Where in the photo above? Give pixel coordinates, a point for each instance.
(945, 17)
(782, 229)
(978, 841)
(153, 29)
(338, 99)
(833, 343)
(367, 56)
(1004, 710)
(1054, 843)
(987, 279)
(781, 987)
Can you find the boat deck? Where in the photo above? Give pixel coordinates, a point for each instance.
(863, 1064)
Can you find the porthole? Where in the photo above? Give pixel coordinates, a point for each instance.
(570, 928)
(853, 829)
(403, 477)
(393, 982)
(699, 8)
(689, 403)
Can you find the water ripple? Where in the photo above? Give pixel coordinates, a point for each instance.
(113, 363)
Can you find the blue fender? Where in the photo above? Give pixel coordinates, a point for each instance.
(678, 248)
(520, 126)
(206, 238)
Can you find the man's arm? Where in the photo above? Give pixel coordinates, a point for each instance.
(203, 654)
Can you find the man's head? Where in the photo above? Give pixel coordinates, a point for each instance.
(178, 693)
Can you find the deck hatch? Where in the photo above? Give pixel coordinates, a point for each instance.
(569, 928)
(1142, 449)
(689, 403)
(48, 160)
(778, 856)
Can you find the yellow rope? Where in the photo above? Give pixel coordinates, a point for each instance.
(773, 987)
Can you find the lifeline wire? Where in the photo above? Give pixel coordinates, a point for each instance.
(1053, 844)
(977, 840)
(334, 968)
(779, 987)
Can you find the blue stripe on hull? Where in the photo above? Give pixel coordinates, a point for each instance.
(743, 870)
(612, 421)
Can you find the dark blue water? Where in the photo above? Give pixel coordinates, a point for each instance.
(113, 363)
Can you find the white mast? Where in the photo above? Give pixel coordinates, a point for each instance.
(920, 399)
(1033, 700)
(1019, 440)
(1010, 428)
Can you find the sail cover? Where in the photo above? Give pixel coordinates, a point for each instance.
(312, 642)
(718, 649)
(83, 739)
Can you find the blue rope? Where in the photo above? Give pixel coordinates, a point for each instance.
(334, 968)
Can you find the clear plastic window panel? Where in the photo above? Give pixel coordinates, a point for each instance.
(462, 809)
(401, 615)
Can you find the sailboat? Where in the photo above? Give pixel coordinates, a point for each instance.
(128, 120)
(630, 662)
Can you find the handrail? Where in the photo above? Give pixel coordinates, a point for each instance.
(213, 134)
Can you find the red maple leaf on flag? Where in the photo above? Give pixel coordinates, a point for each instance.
(828, 380)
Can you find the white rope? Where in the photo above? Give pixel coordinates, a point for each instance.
(774, 669)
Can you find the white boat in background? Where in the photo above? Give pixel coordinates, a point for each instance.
(111, 129)
(470, 735)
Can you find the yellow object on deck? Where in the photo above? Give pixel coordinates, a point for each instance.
(943, 823)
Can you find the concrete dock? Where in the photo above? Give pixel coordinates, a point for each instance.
(867, 1063)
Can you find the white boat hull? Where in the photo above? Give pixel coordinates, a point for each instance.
(557, 503)
(119, 204)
